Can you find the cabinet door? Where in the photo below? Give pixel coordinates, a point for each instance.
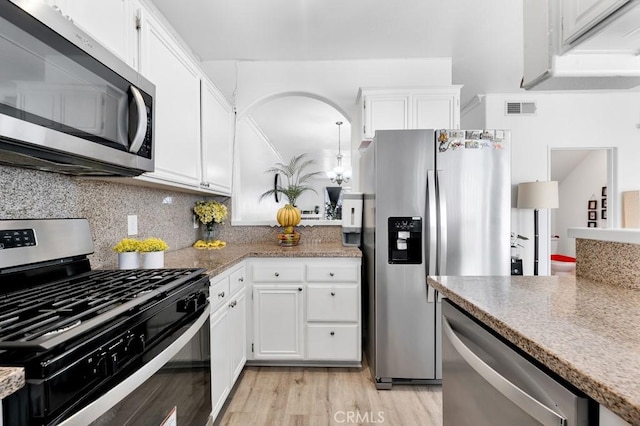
(220, 362)
(110, 22)
(578, 16)
(435, 111)
(278, 322)
(177, 106)
(218, 121)
(238, 333)
(385, 112)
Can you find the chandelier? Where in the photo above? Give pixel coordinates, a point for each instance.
(339, 174)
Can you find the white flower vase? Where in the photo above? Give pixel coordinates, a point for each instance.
(128, 260)
(153, 260)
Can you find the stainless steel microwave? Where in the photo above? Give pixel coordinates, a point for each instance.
(67, 104)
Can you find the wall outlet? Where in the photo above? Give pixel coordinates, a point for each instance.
(132, 224)
(195, 222)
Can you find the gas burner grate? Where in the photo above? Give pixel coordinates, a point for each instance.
(34, 315)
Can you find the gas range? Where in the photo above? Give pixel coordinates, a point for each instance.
(79, 332)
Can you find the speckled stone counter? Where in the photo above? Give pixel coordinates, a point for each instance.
(216, 261)
(587, 332)
(11, 379)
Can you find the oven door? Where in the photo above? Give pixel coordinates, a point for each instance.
(173, 385)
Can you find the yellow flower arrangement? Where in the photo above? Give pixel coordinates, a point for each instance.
(210, 212)
(127, 245)
(153, 244)
(217, 244)
(131, 245)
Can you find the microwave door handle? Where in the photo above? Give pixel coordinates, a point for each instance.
(442, 208)
(508, 389)
(141, 125)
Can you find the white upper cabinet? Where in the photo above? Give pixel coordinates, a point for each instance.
(112, 22)
(218, 123)
(409, 108)
(579, 16)
(177, 106)
(581, 44)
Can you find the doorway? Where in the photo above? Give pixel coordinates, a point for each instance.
(587, 190)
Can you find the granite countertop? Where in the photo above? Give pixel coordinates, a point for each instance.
(586, 331)
(11, 379)
(217, 260)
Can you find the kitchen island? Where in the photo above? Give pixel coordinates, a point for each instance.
(585, 331)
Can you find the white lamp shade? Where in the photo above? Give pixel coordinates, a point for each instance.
(538, 195)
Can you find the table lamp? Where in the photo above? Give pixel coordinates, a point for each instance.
(537, 195)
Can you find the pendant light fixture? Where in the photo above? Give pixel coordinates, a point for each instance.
(339, 174)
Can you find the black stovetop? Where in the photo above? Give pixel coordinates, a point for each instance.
(48, 314)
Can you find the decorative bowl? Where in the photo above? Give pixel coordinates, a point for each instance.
(288, 240)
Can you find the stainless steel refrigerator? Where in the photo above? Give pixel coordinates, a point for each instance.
(436, 202)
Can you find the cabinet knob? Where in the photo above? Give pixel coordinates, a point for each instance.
(333, 293)
(330, 274)
(233, 304)
(241, 279)
(221, 294)
(332, 333)
(277, 274)
(299, 288)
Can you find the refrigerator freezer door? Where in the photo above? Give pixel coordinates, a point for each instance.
(474, 172)
(404, 320)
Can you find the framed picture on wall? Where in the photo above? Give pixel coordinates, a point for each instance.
(593, 204)
(592, 224)
(604, 203)
(593, 215)
(604, 191)
(603, 214)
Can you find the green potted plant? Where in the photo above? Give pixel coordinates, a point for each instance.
(209, 213)
(152, 250)
(297, 182)
(128, 256)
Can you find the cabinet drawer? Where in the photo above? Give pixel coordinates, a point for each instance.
(278, 273)
(333, 342)
(219, 293)
(236, 280)
(332, 302)
(332, 273)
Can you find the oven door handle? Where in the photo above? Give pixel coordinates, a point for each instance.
(119, 392)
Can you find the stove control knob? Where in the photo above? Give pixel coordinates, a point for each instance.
(202, 299)
(97, 366)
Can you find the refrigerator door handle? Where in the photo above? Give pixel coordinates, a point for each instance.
(442, 206)
(432, 223)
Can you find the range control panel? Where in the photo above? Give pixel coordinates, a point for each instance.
(17, 238)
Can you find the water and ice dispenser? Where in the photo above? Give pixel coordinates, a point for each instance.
(405, 240)
(351, 218)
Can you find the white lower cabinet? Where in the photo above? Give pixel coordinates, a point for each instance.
(305, 310)
(278, 321)
(227, 297)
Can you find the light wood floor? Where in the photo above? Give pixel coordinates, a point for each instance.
(327, 396)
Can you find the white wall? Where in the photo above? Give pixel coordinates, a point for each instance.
(249, 177)
(566, 120)
(582, 184)
(246, 83)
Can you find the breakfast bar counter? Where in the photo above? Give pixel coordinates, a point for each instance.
(585, 331)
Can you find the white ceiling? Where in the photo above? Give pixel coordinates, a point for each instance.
(564, 161)
(483, 38)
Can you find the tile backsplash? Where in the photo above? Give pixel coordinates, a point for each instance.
(162, 213)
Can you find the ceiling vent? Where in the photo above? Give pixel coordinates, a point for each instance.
(520, 108)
